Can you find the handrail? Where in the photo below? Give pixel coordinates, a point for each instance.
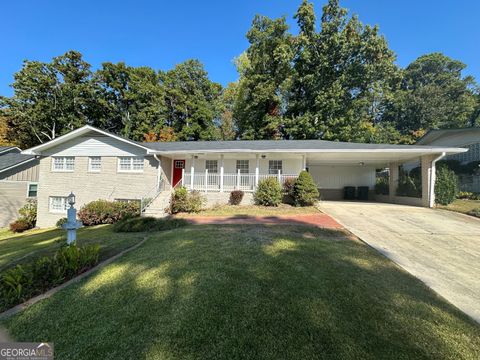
(150, 195)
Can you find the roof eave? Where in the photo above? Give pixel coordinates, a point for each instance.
(17, 164)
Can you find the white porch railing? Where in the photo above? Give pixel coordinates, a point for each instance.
(205, 181)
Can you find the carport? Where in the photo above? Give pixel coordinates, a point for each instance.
(350, 164)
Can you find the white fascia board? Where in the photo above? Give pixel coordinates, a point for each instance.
(37, 150)
(14, 166)
(427, 150)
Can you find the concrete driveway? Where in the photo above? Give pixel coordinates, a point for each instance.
(441, 248)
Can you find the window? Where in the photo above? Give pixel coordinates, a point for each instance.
(211, 166)
(32, 190)
(64, 163)
(58, 204)
(274, 166)
(94, 164)
(179, 164)
(242, 165)
(130, 164)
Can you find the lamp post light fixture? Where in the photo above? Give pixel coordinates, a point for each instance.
(72, 224)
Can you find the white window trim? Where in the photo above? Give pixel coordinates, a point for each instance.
(276, 170)
(237, 168)
(28, 189)
(131, 164)
(212, 172)
(90, 164)
(53, 211)
(64, 164)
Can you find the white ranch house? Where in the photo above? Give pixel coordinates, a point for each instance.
(95, 164)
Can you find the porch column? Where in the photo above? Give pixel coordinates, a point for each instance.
(393, 179)
(221, 173)
(257, 170)
(428, 180)
(304, 162)
(192, 171)
(206, 180)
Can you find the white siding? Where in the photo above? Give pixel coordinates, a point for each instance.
(95, 145)
(336, 177)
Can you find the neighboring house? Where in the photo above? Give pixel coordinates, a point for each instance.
(18, 182)
(468, 138)
(95, 164)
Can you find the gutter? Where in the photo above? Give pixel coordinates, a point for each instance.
(431, 197)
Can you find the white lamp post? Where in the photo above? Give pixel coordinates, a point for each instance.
(72, 224)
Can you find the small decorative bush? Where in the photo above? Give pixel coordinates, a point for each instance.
(28, 212)
(382, 186)
(305, 192)
(107, 212)
(288, 195)
(141, 224)
(183, 201)
(474, 212)
(236, 197)
(19, 226)
(60, 222)
(268, 193)
(446, 186)
(22, 282)
(466, 195)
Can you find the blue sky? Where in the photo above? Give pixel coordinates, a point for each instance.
(162, 33)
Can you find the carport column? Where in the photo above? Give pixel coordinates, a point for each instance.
(304, 162)
(393, 179)
(221, 173)
(428, 180)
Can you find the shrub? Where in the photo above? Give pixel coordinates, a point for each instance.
(183, 201)
(107, 212)
(141, 224)
(28, 212)
(382, 187)
(19, 226)
(467, 195)
(268, 193)
(446, 186)
(474, 212)
(305, 192)
(288, 196)
(236, 197)
(60, 222)
(25, 281)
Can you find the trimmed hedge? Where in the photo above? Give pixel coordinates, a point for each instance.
(446, 186)
(305, 192)
(107, 212)
(143, 224)
(23, 282)
(19, 226)
(236, 197)
(183, 201)
(268, 193)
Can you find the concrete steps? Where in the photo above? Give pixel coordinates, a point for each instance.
(158, 205)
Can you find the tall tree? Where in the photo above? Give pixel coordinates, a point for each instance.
(342, 77)
(130, 100)
(264, 72)
(192, 101)
(49, 99)
(434, 94)
(227, 127)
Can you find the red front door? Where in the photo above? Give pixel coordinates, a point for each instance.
(178, 166)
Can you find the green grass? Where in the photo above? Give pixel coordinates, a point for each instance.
(254, 210)
(23, 247)
(462, 206)
(250, 292)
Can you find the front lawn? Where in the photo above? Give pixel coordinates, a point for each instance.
(462, 206)
(23, 247)
(250, 292)
(254, 210)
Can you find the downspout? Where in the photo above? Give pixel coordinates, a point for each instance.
(431, 197)
(159, 171)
